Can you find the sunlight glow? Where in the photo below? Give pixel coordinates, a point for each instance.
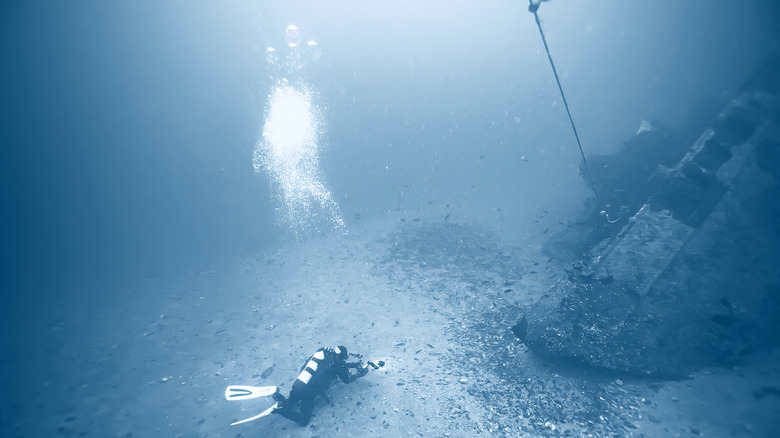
(289, 152)
(290, 126)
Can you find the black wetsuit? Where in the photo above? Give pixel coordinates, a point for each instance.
(316, 376)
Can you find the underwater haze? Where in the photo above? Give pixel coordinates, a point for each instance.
(201, 194)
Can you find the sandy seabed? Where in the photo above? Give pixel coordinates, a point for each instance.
(434, 300)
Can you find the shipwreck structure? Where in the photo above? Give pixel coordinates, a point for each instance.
(689, 273)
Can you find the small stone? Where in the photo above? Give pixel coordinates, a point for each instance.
(619, 382)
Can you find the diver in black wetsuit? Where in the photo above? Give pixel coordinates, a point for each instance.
(316, 376)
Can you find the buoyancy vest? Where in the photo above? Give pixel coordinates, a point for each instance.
(317, 364)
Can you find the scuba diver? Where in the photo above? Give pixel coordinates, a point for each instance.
(316, 375)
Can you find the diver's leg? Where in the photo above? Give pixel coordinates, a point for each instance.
(288, 413)
(307, 406)
(278, 396)
(297, 392)
(286, 408)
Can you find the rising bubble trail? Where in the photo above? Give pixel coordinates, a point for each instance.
(289, 148)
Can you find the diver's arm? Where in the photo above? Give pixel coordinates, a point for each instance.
(347, 377)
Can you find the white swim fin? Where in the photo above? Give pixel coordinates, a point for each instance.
(243, 392)
(265, 413)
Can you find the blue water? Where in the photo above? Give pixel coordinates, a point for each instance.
(128, 171)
